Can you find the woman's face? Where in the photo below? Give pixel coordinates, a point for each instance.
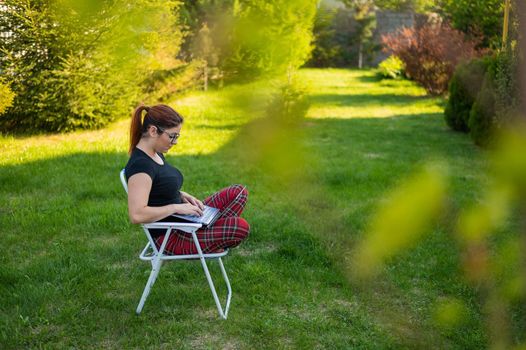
(167, 138)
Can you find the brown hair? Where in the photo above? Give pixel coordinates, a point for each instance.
(159, 115)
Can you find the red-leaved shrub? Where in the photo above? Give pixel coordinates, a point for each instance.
(431, 52)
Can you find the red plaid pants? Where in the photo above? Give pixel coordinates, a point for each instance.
(228, 231)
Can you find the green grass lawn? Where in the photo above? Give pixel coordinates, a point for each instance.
(69, 273)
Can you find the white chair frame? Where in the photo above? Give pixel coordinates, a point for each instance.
(157, 256)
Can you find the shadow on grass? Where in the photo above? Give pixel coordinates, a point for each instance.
(217, 127)
(367, 99)
(369, 78)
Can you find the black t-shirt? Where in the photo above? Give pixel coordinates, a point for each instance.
(166, 179)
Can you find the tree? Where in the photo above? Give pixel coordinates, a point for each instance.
(326, 49)
(205, 51)
(6, 97)
(476, 17)
(250, 38)
(268, 38)
(80, 64)
(366, 20)
(419, 6)
(194, 14)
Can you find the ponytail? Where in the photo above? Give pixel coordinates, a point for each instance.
(158, 115)
(136, 127)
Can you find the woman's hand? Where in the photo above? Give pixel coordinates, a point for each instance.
(188, 209)
(188, 198)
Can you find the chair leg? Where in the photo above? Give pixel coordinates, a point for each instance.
(229, 288)
(156, 267)
(222, 313)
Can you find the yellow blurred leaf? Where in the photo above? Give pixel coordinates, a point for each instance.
(449, 313)
(477, 222)
(408, 212)
(509, 161)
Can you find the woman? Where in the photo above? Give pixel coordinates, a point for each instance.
(154, 187)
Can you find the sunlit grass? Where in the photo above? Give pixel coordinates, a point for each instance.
(212, 119)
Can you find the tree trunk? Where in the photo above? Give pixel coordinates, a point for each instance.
(205, 77)
(521, 10)
(360, 55)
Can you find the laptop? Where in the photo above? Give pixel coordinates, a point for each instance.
(210, 215)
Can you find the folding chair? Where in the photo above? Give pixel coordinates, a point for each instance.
(158, 256)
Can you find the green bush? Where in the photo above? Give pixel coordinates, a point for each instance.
(289, 105)
(507, 90)
(392, 67)
(482, 117)
(267, 38)
(497, 104)
(6, 97)
(81, 64)
(464, 87)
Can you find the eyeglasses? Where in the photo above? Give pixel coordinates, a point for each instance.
(173, 137)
